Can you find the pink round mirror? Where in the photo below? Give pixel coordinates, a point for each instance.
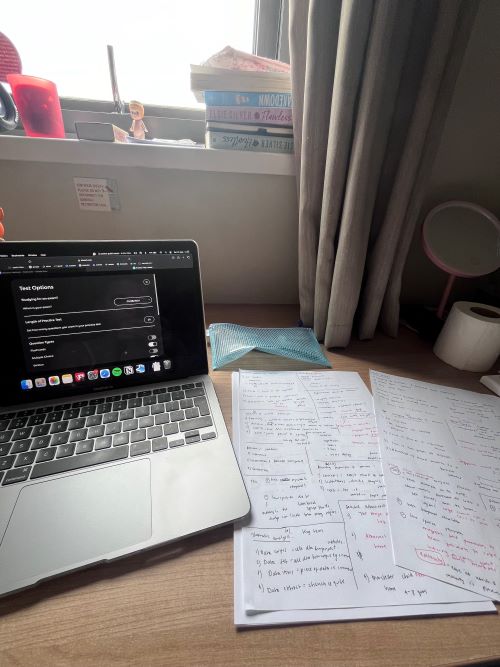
(462, 239)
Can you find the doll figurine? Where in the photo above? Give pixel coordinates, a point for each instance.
(138, 128)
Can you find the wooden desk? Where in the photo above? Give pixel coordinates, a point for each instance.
(174, 605)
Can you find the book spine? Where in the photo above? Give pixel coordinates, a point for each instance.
(255, 115)
(233, 99)
(249, 142)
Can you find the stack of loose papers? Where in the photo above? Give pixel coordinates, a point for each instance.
(238, 71)
(441, 456)
(317, 546)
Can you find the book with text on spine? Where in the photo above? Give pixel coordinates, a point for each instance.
(249, 138)
(223, 98)
(260, 115)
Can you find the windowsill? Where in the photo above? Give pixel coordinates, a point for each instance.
(73, 151)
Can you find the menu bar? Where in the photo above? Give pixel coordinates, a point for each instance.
(95, 263)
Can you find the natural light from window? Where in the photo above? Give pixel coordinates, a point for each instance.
(154, 43)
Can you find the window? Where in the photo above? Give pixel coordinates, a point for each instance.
(154, 43)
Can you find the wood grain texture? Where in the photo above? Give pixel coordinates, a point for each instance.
(174, 605)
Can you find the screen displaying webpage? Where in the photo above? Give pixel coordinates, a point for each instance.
(88, 318)
(96, 321)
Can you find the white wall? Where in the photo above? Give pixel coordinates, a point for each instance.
(245, 224)
(467, 164)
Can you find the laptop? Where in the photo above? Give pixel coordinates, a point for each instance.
(111, 436)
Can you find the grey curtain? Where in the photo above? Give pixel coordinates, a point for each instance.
(372, 81)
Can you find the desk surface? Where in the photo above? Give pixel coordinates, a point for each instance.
(174, 605)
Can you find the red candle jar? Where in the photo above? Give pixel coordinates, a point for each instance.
(38, 104)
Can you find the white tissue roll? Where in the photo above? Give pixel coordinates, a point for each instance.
(470, 337)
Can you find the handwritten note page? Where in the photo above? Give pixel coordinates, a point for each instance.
(440, 449)
(318, 537)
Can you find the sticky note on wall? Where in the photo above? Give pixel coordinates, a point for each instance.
(97, 194)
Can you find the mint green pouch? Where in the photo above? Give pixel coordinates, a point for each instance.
(232, 341)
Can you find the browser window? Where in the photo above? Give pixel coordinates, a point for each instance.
(98, 320)
(94, 319)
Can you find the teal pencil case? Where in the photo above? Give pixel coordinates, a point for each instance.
(232, 341)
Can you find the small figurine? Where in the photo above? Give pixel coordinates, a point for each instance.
(138, 128)
(1, 224)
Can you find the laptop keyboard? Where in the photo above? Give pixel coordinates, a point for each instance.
(36, 443)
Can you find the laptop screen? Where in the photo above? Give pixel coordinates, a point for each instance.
(91, 316)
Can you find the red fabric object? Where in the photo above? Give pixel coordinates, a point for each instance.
(10, 62)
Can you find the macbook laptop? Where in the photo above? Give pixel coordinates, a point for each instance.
(111, 436)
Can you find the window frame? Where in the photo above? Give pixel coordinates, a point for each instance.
(270, 39)
(270, 36)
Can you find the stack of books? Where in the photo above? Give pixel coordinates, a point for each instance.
(248, 102)
(249, 121)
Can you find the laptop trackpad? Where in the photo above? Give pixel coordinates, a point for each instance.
(61, 523)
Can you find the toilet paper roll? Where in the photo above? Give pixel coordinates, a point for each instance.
(470, 337)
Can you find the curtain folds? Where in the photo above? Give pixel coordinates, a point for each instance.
(372, 81)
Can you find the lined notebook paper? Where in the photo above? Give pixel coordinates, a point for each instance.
(441, 455)
(317, 546)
